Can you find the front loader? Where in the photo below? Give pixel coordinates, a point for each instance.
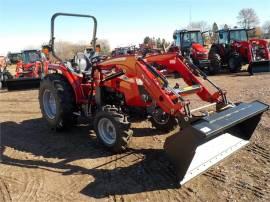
(110, 88)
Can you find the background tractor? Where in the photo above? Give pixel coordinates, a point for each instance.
(233, 49)
(29, 71)
(111, 90)
(30, 64)
(191, 44)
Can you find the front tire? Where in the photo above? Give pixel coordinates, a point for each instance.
(215, 63)
(6, 75)
(57, 102)
(234, 64)
(112, 128)
(162, 121)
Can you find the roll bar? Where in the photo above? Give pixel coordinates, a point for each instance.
(93, 40)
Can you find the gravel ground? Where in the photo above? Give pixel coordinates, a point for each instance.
(40, 165)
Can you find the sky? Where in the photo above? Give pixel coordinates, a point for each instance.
(26, 23)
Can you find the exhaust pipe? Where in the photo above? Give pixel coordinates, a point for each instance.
(22, 83)
(209, 140)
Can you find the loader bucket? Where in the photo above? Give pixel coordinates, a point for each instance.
(260, 66)
(22, 83)
(211, 139)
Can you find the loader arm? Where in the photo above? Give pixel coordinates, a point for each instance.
(173, 62)
(158, 88)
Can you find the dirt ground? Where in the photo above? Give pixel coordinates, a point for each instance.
(40, 165)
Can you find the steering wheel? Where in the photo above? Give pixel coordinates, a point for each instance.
(97, 59)
(90, 62)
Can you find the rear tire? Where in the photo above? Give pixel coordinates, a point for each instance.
(215, 63)
(234, 64)
(57, 102)
(112, 128)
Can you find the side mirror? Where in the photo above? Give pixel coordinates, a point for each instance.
(174, 36)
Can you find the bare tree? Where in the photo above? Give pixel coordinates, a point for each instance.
(214, 30)
(155, 42)
(146, 40)
(256, 33)
(67, 50)
(104, 45)
(64, 50)
(201, 25)
(226, 26)
(165, 43)
(247, 18)
(266, 27)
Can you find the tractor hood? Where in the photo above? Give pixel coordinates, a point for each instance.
(198, 48)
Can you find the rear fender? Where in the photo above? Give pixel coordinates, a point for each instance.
(73, 79)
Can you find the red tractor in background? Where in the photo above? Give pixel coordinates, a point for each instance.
(29, 71)
(108, 90)
(191, 44)
(30, 64)
(233, 49)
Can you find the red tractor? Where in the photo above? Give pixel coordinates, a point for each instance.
(233, 49)
(30, 64)
(29, 71)
(191, 44)
(110, 91)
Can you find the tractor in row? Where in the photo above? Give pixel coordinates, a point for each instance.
(191, 44)
(233, 49)
(29, 71)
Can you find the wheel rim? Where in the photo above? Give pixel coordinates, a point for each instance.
(49, 104)
(160, 117)
(107, 131)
